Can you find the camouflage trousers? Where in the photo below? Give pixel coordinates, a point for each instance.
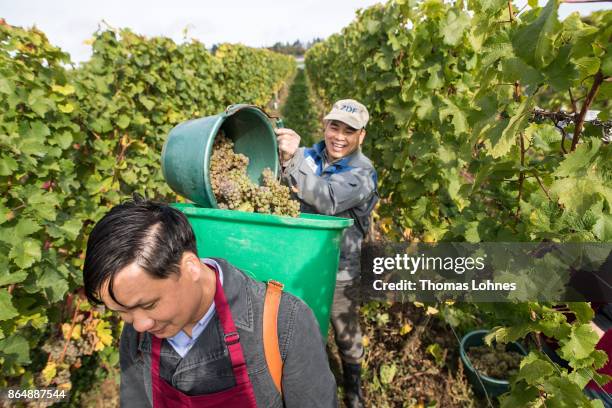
(345, 321)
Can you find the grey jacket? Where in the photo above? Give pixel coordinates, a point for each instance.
(344, 188)
(307, 380)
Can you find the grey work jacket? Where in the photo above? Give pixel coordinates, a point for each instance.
(345, 188)
(306, 382)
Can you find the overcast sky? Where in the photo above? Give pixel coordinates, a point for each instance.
(68, 23)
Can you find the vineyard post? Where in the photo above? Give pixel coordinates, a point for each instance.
(517, 98)
(72, 324)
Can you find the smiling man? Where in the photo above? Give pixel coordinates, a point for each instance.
(194, 328)
(334, 178)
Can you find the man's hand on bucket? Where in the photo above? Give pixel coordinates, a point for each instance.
(288, 143)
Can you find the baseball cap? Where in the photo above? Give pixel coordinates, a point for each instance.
(350, 112)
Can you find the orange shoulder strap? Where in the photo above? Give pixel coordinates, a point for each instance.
(270, 332)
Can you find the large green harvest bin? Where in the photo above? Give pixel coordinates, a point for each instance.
(302, 253)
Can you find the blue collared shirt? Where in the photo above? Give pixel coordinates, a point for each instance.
(325, 168)
(181, 342)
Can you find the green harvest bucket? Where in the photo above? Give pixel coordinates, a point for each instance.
(302, 253)
(493, 387)
(187, 151)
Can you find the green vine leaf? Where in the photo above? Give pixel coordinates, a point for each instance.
(534, 368)
(516, 124)
(580, 343)
(454, 26)
(534, 42)
(7, 310)
(25, 253)
(15, 350)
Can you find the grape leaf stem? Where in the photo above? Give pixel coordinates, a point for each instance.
(19, 207)
(573, 101)
(542, 186)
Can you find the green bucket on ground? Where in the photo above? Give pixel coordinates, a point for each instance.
(483, 384)
(187, 151)
(302, 253)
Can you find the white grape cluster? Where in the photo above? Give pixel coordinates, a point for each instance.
(235, 191)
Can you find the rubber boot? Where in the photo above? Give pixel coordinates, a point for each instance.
(353, 397)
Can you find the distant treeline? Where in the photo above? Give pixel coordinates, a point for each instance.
(297, 48)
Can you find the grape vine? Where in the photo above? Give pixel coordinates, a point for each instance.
(74, 141)
(456, 93)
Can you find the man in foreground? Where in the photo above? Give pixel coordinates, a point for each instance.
(334, 178)
(192, 324)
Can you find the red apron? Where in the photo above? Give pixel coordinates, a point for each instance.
(239, 396)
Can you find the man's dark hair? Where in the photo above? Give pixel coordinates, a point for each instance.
(152, 234)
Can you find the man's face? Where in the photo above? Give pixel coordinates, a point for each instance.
(341, 139)
(163, 307)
